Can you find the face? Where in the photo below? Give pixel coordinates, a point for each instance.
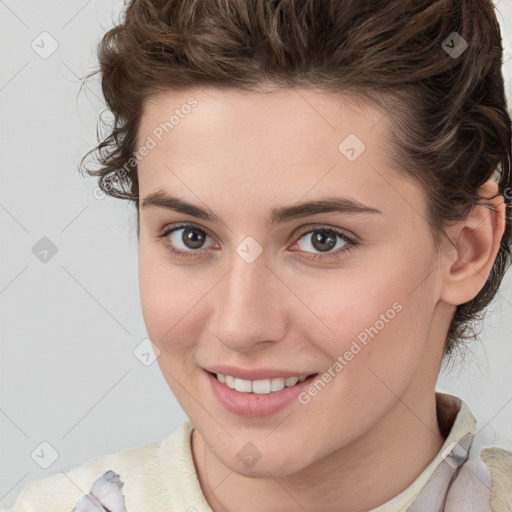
(346, 295)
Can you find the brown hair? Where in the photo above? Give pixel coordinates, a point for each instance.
(451, 129)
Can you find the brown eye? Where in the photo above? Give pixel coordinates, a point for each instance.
(184, 240)
(187, 240)
(193, 238)
(324, 239)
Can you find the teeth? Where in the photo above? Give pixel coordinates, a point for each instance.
(291, 381)
(260, 387)
(277, 384)
(243, 385)
(230, 381)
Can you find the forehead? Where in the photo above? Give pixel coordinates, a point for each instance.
(282, 113)
(289, 141)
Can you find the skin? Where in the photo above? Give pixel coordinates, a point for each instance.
(369, 433)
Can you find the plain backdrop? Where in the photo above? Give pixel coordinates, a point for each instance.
(72, 386)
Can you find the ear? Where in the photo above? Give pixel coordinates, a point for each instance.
(477, 241)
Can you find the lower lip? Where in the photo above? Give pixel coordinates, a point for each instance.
(253, 404)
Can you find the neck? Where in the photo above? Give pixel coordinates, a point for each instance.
(360, 476)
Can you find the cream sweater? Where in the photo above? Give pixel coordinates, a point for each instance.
(466, 475)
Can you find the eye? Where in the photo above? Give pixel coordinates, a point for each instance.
(324, 239)
(186, 237)
(187, 240)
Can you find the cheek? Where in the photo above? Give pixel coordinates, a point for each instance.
(165, 295)
(173, 306)
(167, 300)
(165, 306)
(378, 319)
(380, 334)
(352, 311)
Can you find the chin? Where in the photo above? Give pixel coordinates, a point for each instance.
(277, 465)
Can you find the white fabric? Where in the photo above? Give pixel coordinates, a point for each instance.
(161, 477)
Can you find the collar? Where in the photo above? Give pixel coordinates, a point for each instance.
(429, 490)
(427, 493)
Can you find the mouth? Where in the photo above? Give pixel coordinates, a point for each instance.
(257, 398)
(260, 386)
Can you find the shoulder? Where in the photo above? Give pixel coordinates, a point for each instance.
(62, 490)
(139, 470)
(499, 464)
(483, 483)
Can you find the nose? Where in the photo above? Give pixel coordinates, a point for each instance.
(250, 306)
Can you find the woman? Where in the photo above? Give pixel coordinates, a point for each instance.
(322, 194)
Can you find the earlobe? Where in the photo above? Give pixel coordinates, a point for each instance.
(477, 242)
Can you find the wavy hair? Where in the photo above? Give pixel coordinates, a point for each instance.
(450, 126)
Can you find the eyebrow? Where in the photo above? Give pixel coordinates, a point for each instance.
(277, 215)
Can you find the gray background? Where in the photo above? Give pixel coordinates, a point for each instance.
(70, 325)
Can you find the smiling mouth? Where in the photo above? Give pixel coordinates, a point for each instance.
(262, 386)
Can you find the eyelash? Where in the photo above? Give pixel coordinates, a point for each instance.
(351, 243)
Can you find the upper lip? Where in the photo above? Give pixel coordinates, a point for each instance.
(254, 373)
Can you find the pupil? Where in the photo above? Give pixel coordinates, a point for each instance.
(324, 242)
(191, 238)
